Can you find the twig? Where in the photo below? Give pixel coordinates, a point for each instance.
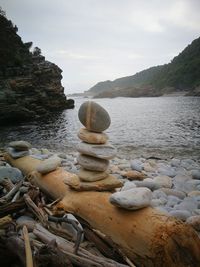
(12, 192)
(29, 259)
(7, 184)
(5, 220)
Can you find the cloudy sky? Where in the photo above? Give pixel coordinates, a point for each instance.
(97, 40)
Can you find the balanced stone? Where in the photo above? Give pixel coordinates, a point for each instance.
(132, 199)
(107, 184)
(99, 151)
(14, 174)
(15, 154)
(91, 176)
(92, 163)
(20, 145)
(49, 165)
(94, 117)
(92, 137)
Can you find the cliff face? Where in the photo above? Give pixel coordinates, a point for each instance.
(30, 86)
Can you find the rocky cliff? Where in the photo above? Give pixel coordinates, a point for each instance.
(30, 86)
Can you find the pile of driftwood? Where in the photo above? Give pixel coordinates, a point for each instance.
(42, 241)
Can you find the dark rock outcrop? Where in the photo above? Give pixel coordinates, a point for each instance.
(30, 86)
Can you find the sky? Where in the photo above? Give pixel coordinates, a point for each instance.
(97, 40)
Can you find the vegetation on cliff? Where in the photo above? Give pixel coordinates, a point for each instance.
(181, 74)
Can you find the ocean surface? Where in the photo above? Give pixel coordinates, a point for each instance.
(151, 127)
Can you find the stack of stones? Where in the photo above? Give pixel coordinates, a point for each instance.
(95, 151)
(18, 149)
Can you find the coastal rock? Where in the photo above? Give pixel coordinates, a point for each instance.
(136, 165)
(49, 165)
(107, 184)
(92, 137)
(134, 175)
(20, 145)
(175, 162)
(17, 154)
(172, 192)
(132, 199)
(94, 117)
(194, 221)
(99, 151)
(172, 201)
(92, 163)
(190, 204)
(180, 214)
(128, 185)
(91, 176)
(14, 174)
(163, 181)
(196, 174)
(167, 171)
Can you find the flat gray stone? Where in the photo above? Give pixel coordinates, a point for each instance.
(49, 165)
(92, 163)
(196, 174)
(104, 151)
(17, 154)
(20, 145)
(132, 199)
(94, 117)
(14, 174)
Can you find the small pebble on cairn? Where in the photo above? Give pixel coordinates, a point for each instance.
(94, 150)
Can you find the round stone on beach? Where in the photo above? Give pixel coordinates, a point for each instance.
(99, 151)
(92, 137)
(132, 199)
(49, 165)
(92, 163)
(134, 175)
(14, 174)
(94, 117)
(20, 145)
(91, 176)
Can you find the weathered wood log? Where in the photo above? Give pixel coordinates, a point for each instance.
(146, 236)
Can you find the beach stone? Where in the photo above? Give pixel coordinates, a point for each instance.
(134, 175)
(132, 199)
(196, 174)
(172, 192)
(15, 154)
(136, 165)
(188, 203)
(163, 181)
(158, 202)
(92, 137)
(26, 220)
(14, 174)
(148, 167)
(167, 171)
(91, 176)
(70, 228)
(187, 163)
(175, 162)
(49, 165)
(172, 201)
(159, 194)
(92, 163)
(180, 214)
(194, 221)
(20, 145)
(194, 193)
(128, 185)
(148, 182)
(94, 117)
(104, 151)
(107, 184)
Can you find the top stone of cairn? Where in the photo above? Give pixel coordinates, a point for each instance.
(94, 117)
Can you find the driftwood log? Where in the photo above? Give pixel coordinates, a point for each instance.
(146, 236)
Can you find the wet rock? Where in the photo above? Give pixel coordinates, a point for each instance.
(132, 199)
(94, 117)
(180, 214)
(91, 176)
(20, 145)
(136, 165)
(163, 181)
(194, 221)
(14, 174)
(104, 151)
(92, 163)
(92, 137)
(17, 154)
(49, 165)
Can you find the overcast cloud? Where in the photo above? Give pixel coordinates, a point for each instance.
(97, 40)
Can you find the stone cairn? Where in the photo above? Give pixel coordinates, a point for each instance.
(95, 151)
